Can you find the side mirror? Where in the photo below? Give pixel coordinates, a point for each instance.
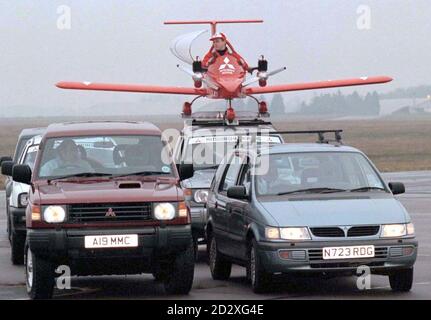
(186, 171)
(21, 173)
(397, 187)
(237, 192)
(4, 159)
(6, 168)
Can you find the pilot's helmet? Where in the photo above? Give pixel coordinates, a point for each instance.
(218, 36)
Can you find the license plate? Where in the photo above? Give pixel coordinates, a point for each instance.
(111, 241)
(353, 252)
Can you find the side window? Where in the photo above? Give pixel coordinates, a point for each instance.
(230, 174)
(245, 178)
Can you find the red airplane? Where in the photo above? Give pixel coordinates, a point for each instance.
(224, 78)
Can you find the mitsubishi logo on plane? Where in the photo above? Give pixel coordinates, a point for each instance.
(226, 67)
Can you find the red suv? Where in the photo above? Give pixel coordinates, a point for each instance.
(105, 199)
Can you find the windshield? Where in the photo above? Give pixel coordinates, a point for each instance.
(207, 152)
(104, 155)
(317, 172)
(20, 147)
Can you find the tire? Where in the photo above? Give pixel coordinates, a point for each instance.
(402, 280)
(179, 277)
(9, 227)
(17, 249)
(196, 248)
(260, 280)
(39, 275)
(220, 267)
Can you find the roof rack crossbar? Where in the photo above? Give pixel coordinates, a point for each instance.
(320, 134)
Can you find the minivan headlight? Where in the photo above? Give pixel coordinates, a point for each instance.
(54, 214)
(397, 230)
(164, 211)
(291, 233)
(295, 234)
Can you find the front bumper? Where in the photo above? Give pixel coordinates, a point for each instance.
(17, 216)
(306, 257)
(67, 246)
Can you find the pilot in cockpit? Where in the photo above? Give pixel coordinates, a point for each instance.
(220, 47)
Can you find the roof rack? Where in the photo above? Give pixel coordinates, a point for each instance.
(320, 134)
(217, 118)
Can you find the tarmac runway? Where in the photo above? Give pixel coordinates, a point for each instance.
(417, 200)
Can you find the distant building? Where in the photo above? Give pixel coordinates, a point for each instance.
(404, 106)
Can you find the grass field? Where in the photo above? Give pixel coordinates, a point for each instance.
(392, 144)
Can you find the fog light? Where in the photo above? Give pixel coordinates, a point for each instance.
(284, 254)
(396, 252)
(407, 251)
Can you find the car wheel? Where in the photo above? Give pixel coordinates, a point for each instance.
(39, 274)
(260, 280)
(220, 267)
(17, 248)
(402, 280)
(179, 278)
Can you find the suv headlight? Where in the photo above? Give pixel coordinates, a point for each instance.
(397, 230)
(23, 200)
(201, 196)
(291, 233)
(164, 211)
(54, 214)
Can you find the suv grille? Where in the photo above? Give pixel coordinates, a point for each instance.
(337, 232)
(115, 212)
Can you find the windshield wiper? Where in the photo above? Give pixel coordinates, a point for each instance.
(313, 190)
(81, 175)
(364, 189)
(140, 173)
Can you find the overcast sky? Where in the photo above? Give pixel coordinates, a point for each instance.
(126, 41)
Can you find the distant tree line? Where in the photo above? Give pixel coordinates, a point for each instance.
(339, 104)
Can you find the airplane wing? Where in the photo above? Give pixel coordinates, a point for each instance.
(129, 88)
(318, 85)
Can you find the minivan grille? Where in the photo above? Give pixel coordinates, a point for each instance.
(363, 231)
(337, 232)
(113, 212)
(328, 232)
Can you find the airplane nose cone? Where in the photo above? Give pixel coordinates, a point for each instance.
(231, 86)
